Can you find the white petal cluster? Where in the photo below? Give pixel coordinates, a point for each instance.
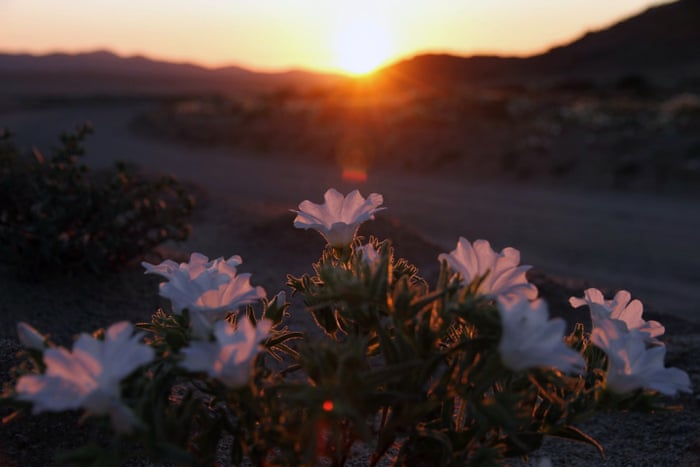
(339, 217)
(620, 309)
(89, 376)
(530, 339)
(500, 272)
(632, 365)
(208, 289)
(229, 357)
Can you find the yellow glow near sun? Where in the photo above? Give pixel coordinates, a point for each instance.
(361, 45)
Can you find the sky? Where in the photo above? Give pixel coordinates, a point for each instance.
(275, 35)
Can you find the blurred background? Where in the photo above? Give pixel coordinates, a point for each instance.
(569, 130)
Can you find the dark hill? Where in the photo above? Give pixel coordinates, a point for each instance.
(103, 72)
(661, 44)
(663, 38)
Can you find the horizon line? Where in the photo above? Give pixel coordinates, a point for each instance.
(272, 71)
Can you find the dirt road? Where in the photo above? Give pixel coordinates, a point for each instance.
(646, 244)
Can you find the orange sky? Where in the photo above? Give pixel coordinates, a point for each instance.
(313, 34)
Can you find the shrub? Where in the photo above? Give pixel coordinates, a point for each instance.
(469, 371)
(57, 216)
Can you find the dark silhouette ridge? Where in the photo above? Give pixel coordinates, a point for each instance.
(105, 72)
(661, 44)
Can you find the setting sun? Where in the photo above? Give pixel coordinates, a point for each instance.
(362, 45)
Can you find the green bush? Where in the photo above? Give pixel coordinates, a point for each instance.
(57, 216)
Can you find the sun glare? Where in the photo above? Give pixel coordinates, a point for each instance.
(361, 45)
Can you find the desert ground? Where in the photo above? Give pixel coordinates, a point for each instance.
(645, 243)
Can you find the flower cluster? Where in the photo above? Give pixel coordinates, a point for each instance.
(470, 369)
(529, 338)
(635, 356)
(90, 376)
(209, 290)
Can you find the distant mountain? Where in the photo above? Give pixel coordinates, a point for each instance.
(103, 72)
(665, 37)
(661, 44)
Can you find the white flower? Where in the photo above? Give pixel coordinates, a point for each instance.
(619, 309)
(631, 365)
(89, 376)
(500, 271)
(530, 339)
(228, 359)
(210, 288)
(30, 337)
(339, 217)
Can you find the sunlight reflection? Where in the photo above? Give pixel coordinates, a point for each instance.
(354, 175)
(354, 155)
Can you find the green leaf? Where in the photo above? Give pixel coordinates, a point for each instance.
(325, 319)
